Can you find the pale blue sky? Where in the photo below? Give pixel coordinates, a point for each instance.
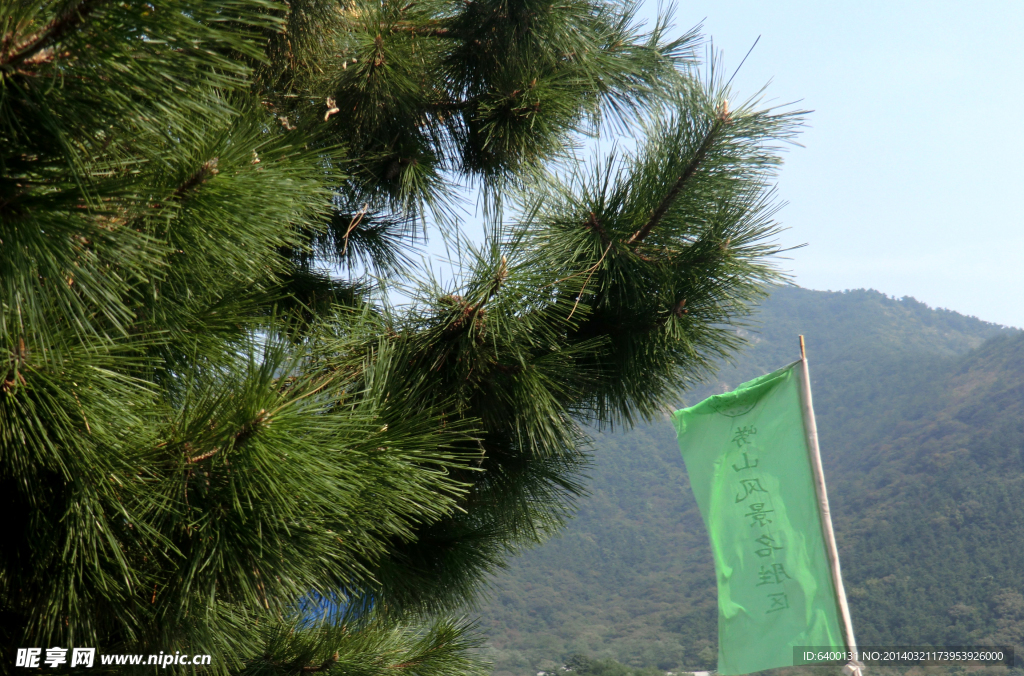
(914, 152)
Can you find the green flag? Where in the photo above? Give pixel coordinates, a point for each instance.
(747, 456)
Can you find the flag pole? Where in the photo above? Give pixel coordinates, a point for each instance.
(811, 429)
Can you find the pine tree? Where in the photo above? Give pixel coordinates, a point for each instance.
(219, 434)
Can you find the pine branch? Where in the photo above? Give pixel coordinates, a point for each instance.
(452, 105)
(247, 430)
(432, 29)
(244, 433)
(666, 203)
(205, 171)
(325, 666)
(57, 28)
(204, 456)
(469, 314)
(16, 360)
(590, 274)
(595, 225)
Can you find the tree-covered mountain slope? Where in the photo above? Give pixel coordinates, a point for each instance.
(921, 415)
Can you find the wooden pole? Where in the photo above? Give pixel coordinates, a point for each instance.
(811, 429)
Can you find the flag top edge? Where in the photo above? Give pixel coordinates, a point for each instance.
(716, 401)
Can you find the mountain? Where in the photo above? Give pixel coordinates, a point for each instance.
(921, 419)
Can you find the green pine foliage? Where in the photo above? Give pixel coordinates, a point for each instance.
(203, 429)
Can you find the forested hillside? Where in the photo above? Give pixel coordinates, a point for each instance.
(921, 415)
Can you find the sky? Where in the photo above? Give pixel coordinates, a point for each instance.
(913, 153)
(907, 181)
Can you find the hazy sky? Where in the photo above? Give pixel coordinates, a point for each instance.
(915, 152)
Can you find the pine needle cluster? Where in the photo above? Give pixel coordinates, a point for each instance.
(217, 435)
